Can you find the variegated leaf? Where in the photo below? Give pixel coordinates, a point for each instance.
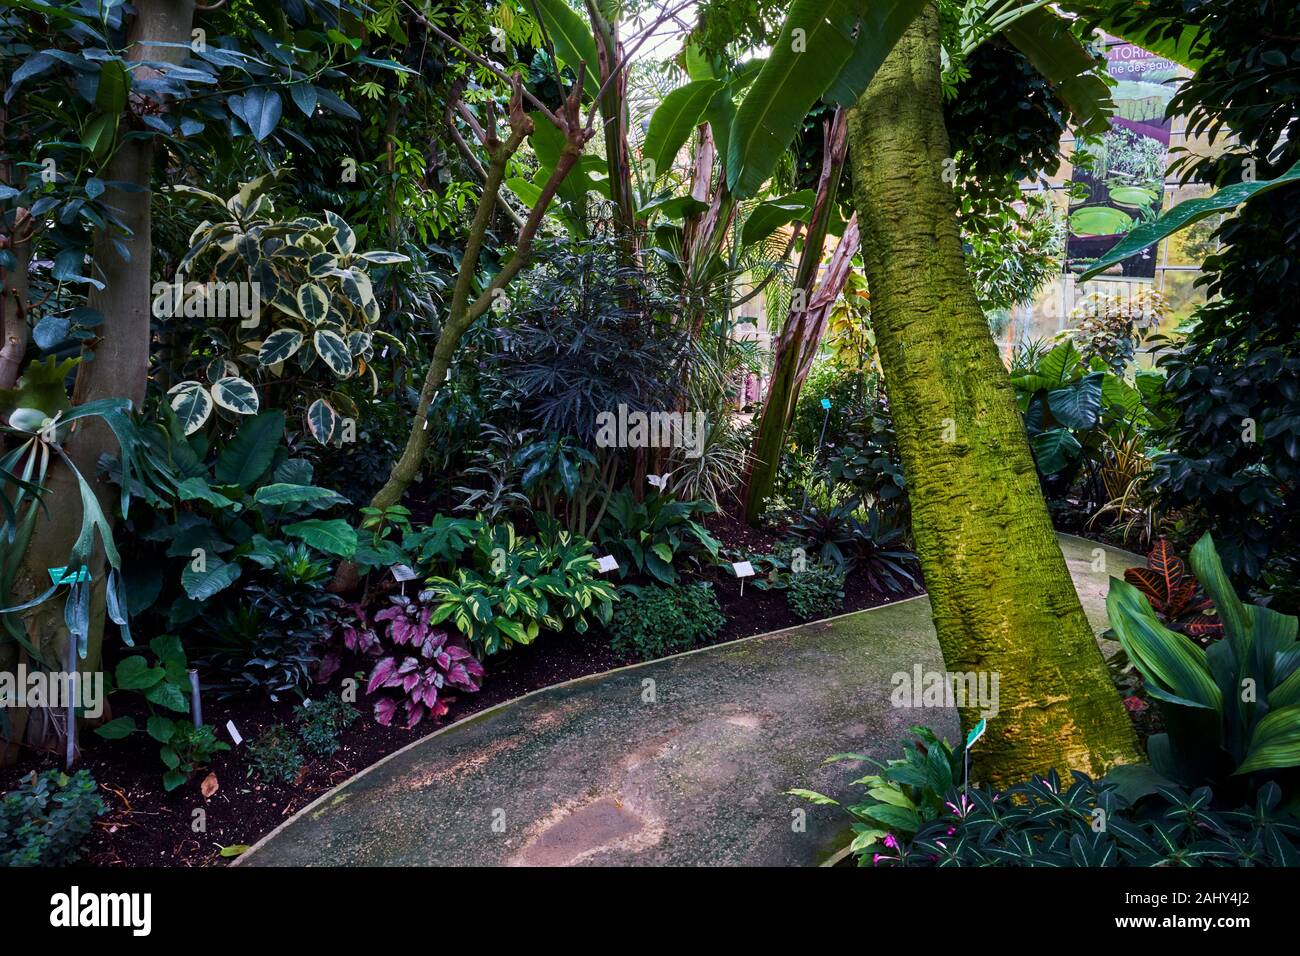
(279, 345)
(192, 405)
(236, 395)
(331, 347)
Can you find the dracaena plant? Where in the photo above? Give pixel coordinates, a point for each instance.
(313, 302)
(426, 662)
(1231, 711)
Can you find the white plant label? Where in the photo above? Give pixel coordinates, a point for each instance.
(403, 572)
(234, 732)
(743, 569)
(607, 563)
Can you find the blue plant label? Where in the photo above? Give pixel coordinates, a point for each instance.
(826, 404)
(976, 733)
(64, 576)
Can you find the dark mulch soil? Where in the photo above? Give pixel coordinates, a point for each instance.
(145, 826)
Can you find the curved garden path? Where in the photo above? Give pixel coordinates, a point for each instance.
(679, 761)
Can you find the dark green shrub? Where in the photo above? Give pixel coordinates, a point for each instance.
(321, 720)
(45, 821)
(275, 756)
(816, 591)
(653, 621)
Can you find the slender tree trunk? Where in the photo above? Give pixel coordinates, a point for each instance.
(464, 309)
(804, 325)
(1002, 595)
(118, 367)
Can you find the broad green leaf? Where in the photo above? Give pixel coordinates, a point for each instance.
(1210, 573)
(217, 575)
(1044, 37)
(278, 346)
(344, 238)
(574, 43)
(1174, 668)
(1077, 406)
(281, 494)
(1275, 744)
(110, 95)
(192, 405)
(331, 347)
(817, 39)
(198, 489)
(1184, 215)
(1184, 43)
(333, 536)
(235, 395)
(117, 729)
(248, 455)
(884, 22)
(1054, 449)
(771, 215)
(259, 108)
(673, 121)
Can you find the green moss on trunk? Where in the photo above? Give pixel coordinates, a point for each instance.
(1002, 595)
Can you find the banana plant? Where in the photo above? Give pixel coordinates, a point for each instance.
(1230, 710)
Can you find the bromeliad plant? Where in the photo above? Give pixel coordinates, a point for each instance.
(317, 292)
(1231, 710)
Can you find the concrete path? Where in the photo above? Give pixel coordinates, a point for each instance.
(681, 761)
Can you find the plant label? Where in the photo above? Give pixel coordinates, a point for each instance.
(976, 733)
(234, 732)
(64, 576)
(743, 569)
(607, 563)
(826, 404)
(404, 572)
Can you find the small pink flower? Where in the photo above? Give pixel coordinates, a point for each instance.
(891, 842)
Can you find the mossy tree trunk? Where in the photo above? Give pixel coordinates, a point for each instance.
(1002, 595)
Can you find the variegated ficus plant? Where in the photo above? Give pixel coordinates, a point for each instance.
(283, 300)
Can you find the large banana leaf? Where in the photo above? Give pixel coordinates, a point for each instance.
(675, 119)
(1186, 213)
(817, 40)
(1044, 37)
(1179, 41)
(573, 40)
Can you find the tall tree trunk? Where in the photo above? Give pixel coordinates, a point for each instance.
(1002, 595)
(118, 368)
